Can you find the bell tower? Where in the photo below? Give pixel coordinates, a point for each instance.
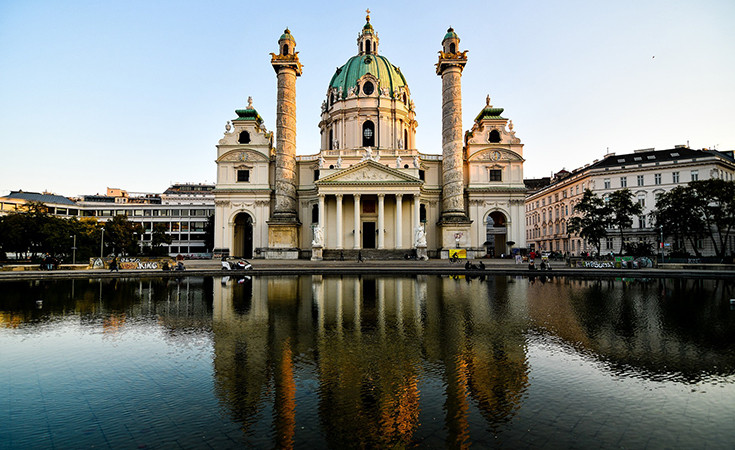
(284, 224)
(367, 40)
(454, 222)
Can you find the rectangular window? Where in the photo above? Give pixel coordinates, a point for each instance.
(608, 244)
(422, 175)
(316, 174)
(675, 177)
(642, 200)
(623, 182)
(243, 176)
(641, 221)
(496, 175)
(657, 178)
(607, 183)
(640, 180)
(695, 175)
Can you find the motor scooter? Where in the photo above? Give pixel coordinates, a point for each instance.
(239, 264)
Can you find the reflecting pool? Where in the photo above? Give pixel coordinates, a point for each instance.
(317, 361)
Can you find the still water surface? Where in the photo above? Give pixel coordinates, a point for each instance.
(367, 362)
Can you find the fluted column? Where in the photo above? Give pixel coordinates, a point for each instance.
(356, 231)
(416, 213)
(399, 220)
(339, 221)
(323, 218)
(381, 221)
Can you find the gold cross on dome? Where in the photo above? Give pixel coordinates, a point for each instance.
(368, 14)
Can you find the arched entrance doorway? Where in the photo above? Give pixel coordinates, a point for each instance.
(243, 241)
(496, 232)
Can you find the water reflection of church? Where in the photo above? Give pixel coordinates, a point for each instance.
(364, 344)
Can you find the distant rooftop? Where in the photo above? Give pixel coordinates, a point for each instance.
(40, 197)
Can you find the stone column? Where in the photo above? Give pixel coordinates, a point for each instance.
(381, 221)
(454, 219)
(283, 226)
(399, 221)
(416, 212)
(323, 215)
(357, 221)
(339, 221)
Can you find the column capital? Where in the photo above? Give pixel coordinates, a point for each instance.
(357, 196)
(339, 196)
(399, 195)
(381, 195)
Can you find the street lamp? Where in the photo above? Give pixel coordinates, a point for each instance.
(74, 250)
(661, 227)
(102, 243)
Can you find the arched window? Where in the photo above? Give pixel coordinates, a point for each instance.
(452, 48)
(367, 46)
(331, 138)
(494, 136)
(422, 213)
(405, 139)
(244, 138)
(315, 214)
(285, 49)
(368, 134)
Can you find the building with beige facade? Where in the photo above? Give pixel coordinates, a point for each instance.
(368, 189)
(646, 173)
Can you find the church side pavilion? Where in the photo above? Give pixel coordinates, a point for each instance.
(369, 188)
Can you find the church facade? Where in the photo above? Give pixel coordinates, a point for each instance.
(369, 189)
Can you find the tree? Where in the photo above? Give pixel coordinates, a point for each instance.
(677, 212)
(120, 234)
(622, 209)
(591, 223)
(717, 208)
(159, 238)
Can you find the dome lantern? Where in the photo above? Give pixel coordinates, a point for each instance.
(367, 40)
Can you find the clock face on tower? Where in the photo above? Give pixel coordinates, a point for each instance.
(495, 155)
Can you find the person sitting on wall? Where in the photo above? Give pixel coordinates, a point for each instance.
(531, 265)
(468, 265)
(481, 265)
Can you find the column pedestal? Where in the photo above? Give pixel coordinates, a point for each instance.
(283, 240)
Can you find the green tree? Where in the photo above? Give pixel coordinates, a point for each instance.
(622, 209)
(120, 234)
(717, 208)
(677, 212)
(591, 223)
(159, 238)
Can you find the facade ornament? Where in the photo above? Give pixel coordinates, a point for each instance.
(250, 102)
(487, 101)
(339, 162)
(385, 92)
(510, 125)
(318, 237)
(398, 161)
(335, 144)
(324, 106)
(351, 91)
(400, 143)
(228, 126)
(368, 154)
(321, 161)
(339, 93)
(243, 156)
(416, 161)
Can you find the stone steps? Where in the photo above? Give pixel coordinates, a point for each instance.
(367, 253)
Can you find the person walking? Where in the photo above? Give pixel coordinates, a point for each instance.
(113, 265)
(359, 256)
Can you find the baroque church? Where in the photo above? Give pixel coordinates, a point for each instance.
(369, 190)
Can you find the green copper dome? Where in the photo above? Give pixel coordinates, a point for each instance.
(450, 34)
(286, 35)
(388, 75)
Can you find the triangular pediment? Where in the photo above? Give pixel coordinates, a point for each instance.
(368, 172)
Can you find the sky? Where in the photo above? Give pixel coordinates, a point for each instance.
(135, 94)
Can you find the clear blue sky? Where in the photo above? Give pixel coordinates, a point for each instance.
(135, 94)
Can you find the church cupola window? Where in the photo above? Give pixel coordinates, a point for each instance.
(368, 134)
(368, 88)
(285, 50)
(244, 138)
(331, 140)
(452, 48)
(367, 47)
(494, 136)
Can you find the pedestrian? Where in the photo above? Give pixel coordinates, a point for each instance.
(113, 265)
(341, 255)
(359, 256)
